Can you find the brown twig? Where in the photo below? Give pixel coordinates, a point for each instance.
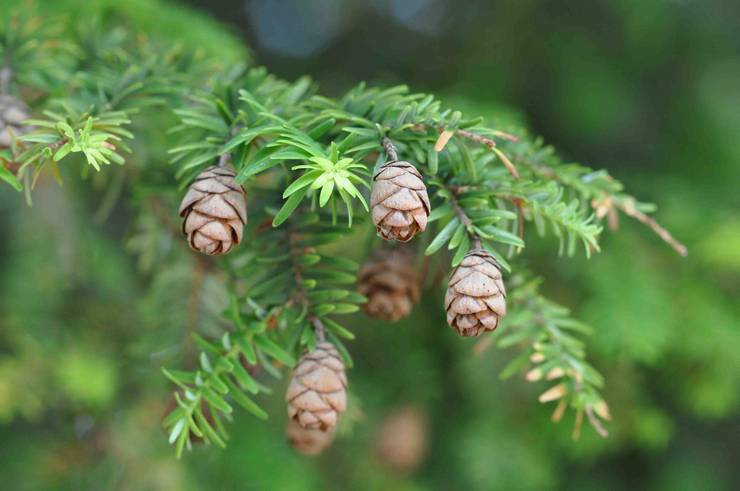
(319, 328)
(465, 220)
(628, 208)
(390, 149)
(489, 142)
(225, 158)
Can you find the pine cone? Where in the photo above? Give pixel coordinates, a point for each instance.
(12, 113)
(401, 441)
(390, 283)
(214, 211)
(400, 205)
(308, 442)
(317, 393)
(476, 298)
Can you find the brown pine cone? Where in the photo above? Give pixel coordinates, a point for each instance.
(12, 113)
(214, 211)
(390, 283)
(306, 441)
(401, 441)
(400, 205)
(476, 298)
(317, 393)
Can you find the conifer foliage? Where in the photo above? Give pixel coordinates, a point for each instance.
(315, 169)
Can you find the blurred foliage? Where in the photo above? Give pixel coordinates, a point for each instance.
(646, 89)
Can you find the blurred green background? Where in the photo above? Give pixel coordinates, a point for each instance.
(649, 90)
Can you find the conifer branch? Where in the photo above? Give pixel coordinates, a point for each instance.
(543, 330)
(305, 160)
(605, 195)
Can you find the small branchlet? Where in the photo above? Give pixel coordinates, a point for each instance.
(549, 351)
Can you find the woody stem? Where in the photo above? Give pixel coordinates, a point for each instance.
(225, 158)
(319, 328)
(465, 220)
(300, 294)
(390, 149)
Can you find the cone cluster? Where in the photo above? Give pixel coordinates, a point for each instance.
(12, 113)
(214, 215)
(399, 200)
(317, 394)
(476, 297)
(214, 211)
(390, 283)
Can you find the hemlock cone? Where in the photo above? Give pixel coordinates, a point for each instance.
(390, 283)
(308, 441)
(402, 440)
(317, 393)
(214, 211)
(13, 112)
(400, 205)
(476, 297)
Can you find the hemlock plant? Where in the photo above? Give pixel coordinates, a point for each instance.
(276, 178)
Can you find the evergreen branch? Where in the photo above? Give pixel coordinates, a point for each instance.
(604, 192)
(222, 374)
(32, 53)
(543, 331)
(400, 109)
(91, 120)
(317, 153)
(568, 221)
(471, 216)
